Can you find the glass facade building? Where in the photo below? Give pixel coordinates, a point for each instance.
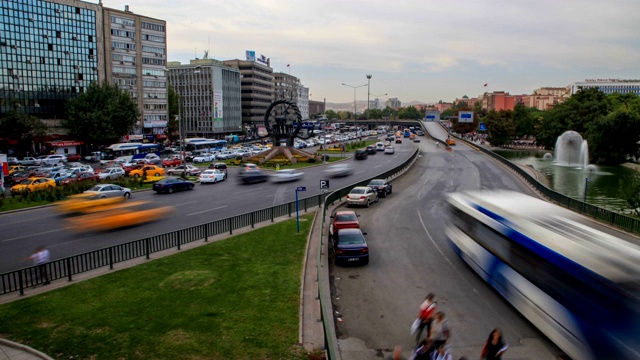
(48, 53)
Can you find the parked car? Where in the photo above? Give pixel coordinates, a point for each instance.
(212, 176)
(12, 160)
(152, 159)
(73, 157)
(350, 246)
(33, 184)
(361, 154)
(29, 161)
(54, 159)
(102, 191)
(189, 170)
(219, 166)
(389, 149)
(362, 196)
(57, 176)
(80, 177)
(111, 173)
(17, 177)
(371, 150)
(171, 162)
(339, 170)
(382, 186)
(149, 170)
(170, 184)
(204, 157)
(16, 168)
(344, 219)
(286, 175)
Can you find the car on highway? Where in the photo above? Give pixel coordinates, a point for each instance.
(80, 177)
(286, 175)
(380, 146)
(389, 149)
(398, 140)
(110, 217)
(252, 175)
(148, 170)
(212, 176)
(382, 186)
(343, 219)
(111, 173)
(33, 184)
(103, 191)
(361, 154)
(339, 170)
(371, 150)
(190, 170)
(170, 184)
(416, 139)
(362, 196)
(350, 246)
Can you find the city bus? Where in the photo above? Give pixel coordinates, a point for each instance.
(136, 150)
(193, 144)
(576, 284)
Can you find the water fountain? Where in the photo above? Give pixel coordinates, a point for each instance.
(572, 150)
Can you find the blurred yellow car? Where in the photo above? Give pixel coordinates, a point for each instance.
(451, 142)
(149, 170)
(84, 203)
(16, 168)
(120, 216)
(34, 184)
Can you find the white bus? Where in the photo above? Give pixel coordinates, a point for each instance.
(193, 144)
(578, 285)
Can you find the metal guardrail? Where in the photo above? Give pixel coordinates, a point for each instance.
(19, 280)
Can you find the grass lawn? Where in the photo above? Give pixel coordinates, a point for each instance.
(233, 299)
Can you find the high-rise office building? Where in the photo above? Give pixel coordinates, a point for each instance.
(257, 89)
(303, 101)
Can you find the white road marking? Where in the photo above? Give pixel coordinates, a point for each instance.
(37, 234)
(204, 211)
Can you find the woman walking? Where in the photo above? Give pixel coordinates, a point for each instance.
(494, 347)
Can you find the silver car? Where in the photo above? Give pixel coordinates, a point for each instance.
(286, 175)
(339, 170)
(362, 196)
(103, 191)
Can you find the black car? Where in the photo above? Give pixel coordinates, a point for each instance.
(350, 247)
(361, 154)
(252, 176)
(371, 150)
(171, 184)
(382, 186)
(219, 166)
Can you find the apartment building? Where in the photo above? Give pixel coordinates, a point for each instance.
(608, 86)
(303, 101)
(210, 97)
(316, 107)
(393, 103)
(256, 88)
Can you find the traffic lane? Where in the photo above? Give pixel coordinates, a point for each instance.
(206, 203)
(410, 257)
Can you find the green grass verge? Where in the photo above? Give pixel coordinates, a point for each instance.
(233, 299)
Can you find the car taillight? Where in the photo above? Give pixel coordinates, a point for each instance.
(348, 197)
(339, 251)
(364, 250)
(362, 197)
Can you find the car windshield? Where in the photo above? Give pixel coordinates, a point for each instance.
(209, 172)
(376, 182)
(357, 191)
(95, 188)
(346, 217)
(349, 239)
(26, 182)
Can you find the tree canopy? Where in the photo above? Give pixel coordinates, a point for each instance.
(22, 127)
(102, 115)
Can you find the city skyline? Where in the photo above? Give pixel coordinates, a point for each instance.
(415, 50)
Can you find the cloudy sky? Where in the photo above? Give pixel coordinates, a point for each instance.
(416, 50)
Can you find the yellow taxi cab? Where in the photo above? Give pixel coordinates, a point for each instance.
(85, 203)
(15, 168)
(149, 170)
(115, 217)
(34, 184)
(450, 142)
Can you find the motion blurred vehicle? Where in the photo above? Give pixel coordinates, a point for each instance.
(111, 173)
(380, 146)
(212, 176)
(382, 186)
(148, 170)
(120, 216)
(250, 176)
(286, 175)
(87, 203)
(361, 154)
(80, 177)
(29, 161)
(102, 191)
(362, 196)
(350, 246)
(171, 184)
(33, 184)
(190, 170)
(344, 219)
(389, 149)
(450, 142)
(339, 170)
(219, 166)
(371, 150)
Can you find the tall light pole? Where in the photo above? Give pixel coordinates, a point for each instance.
(354, 99)
(368, 93)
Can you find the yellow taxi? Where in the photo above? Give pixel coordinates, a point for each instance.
(148, 170)
(34, 184)
(450, 142)
(16, 168)
(119, 216)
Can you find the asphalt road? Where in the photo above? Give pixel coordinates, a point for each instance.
(25, 230)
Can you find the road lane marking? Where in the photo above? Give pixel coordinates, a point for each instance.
(190, 202)
(36, 234)
(204, 211)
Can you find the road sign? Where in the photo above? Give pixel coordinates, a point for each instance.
(324, 184)
(301, 188)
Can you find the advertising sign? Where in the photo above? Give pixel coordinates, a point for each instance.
(432, 115)
(465, 117)
(483, 127)
(263, 59)
(251, 55)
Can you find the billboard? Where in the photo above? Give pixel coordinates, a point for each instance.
(251, 55)
(263, 59)
(465, 117)
(217, 109)
(432, 115)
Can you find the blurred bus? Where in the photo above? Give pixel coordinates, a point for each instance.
(135, 149)
(578, 285)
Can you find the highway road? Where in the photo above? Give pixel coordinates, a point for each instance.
(25, 230)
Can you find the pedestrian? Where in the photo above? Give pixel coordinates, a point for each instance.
(440, 332)
(494, 347)
(426, 315)
(441, 354)
(40, 258)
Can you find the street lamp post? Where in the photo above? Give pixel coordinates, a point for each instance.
(368, 93)
(377, 97)
(354, 99)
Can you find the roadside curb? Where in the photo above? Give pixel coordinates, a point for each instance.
(24, 348)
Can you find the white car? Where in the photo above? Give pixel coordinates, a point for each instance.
(29, 161)
(389, 149)
(286, 175)
(54, 159)
(111, 173)
(212, 176)
(189, 169)
(204, 157)
(339, 170)
(380, 146)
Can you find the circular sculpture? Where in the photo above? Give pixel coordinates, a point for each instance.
(283, 120)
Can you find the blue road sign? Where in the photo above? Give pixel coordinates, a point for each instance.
(301, 188)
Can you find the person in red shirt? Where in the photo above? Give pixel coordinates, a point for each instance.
(426, 314)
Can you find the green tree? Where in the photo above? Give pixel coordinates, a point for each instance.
(173, 129)
(331, 114)
(102, 115)
(523, 121)
(22, 127)
(630, 191)
(613, 137)
(500, 127)
(409, 112)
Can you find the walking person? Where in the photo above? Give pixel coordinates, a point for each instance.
(440, 331)
(494, 347)
(426, 315)
(40, 257)
(441, 354)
